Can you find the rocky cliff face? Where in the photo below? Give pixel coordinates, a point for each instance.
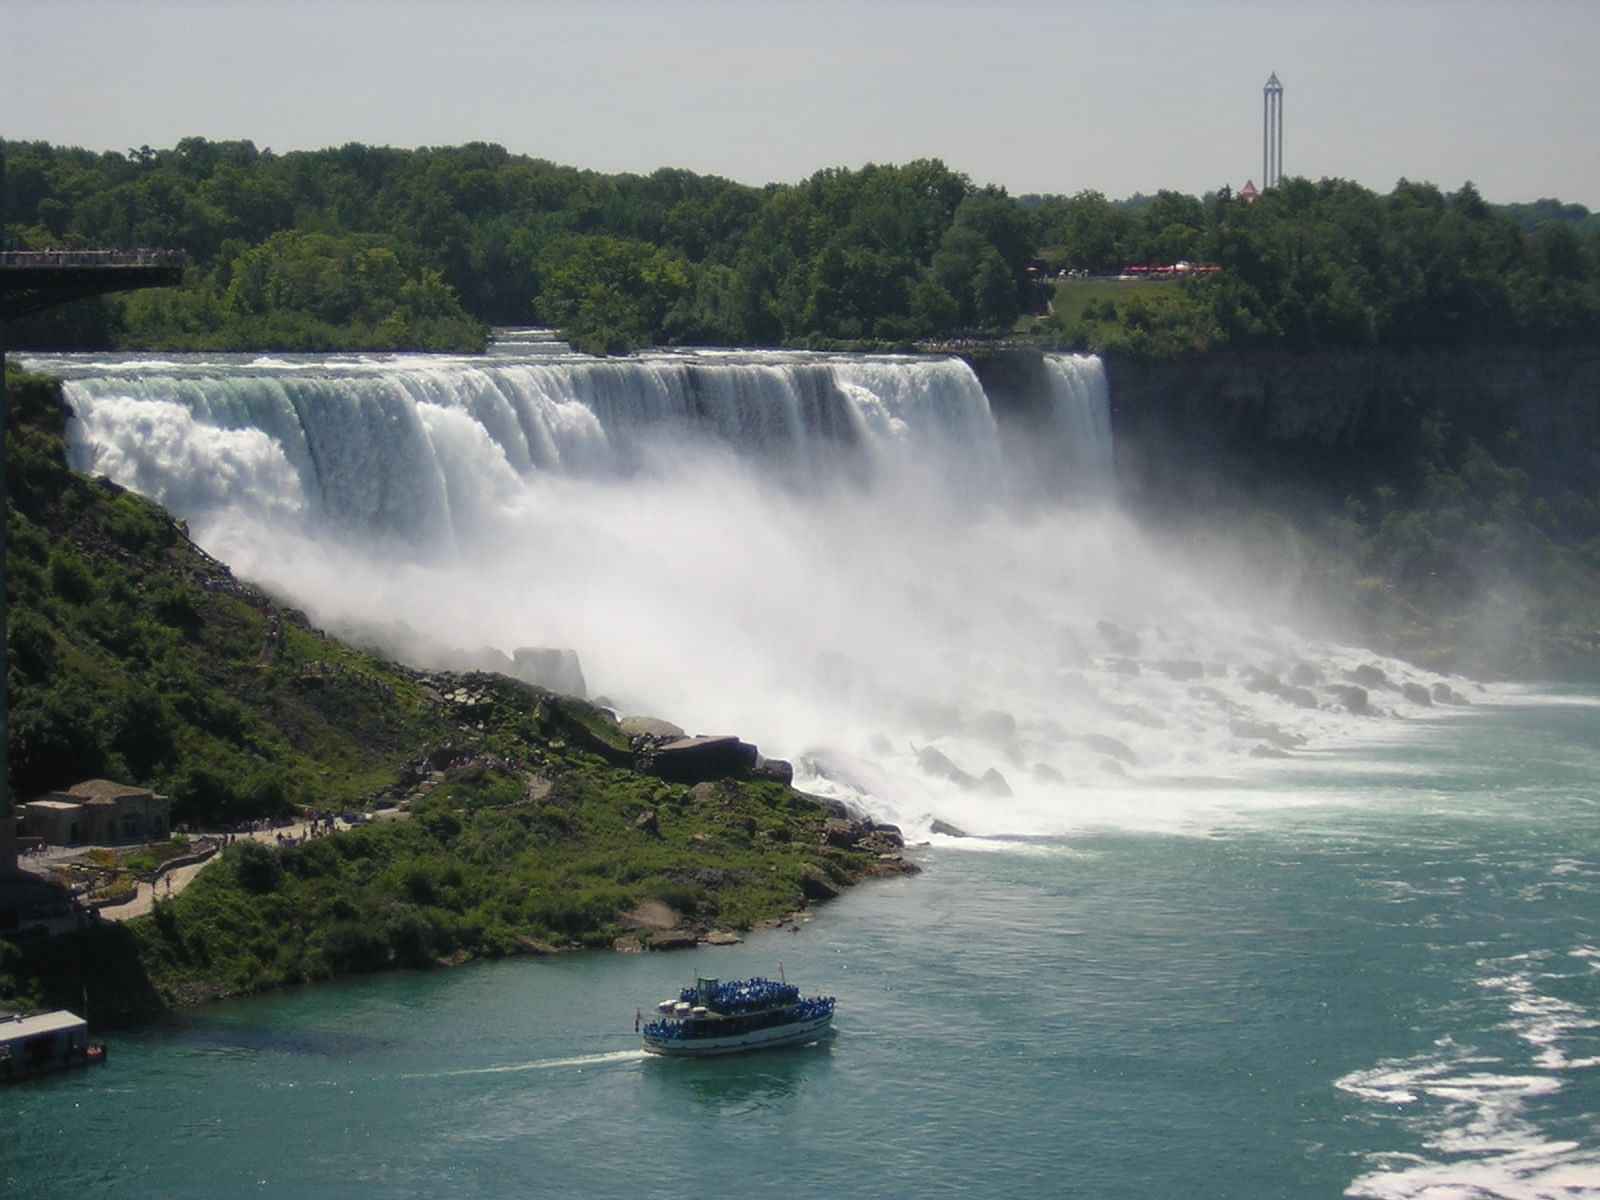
(1339, 421)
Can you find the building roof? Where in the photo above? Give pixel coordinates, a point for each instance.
(105, 789)
(51, 1022)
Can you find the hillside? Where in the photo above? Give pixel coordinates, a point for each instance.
(527, 826)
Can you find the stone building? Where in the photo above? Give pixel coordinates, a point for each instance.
(99, 812)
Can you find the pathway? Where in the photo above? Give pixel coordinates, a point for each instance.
(145, 898)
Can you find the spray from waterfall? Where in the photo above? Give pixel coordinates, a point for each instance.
(845, 559)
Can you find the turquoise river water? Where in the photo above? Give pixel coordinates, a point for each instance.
(1378, 975)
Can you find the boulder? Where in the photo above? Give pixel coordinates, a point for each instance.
(487, 658)
(1368, 676)
(936, 764)
(882, 839)
(994, 784)
(648, 822)
(947, 829)
(1263, 731)
(842, 834)
(1305, 675)
(698, 759)
(1352, 697)
(1443, 693)
(1298, 696)
(722, 937)
(814, 885)
(774, 770)
(674, 939)
(1111, 748)
(650, 727)
(829, 804)
(1417, 694)
(547, 667)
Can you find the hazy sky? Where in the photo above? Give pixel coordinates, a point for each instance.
(1039, 97)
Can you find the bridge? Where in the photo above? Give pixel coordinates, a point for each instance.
(33, 280)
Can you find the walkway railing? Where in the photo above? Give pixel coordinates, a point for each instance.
(92, 258)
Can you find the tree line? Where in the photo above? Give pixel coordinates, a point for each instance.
(376, 247)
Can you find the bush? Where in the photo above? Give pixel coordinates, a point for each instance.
(257, 867)
(354, 946)
(70, 578)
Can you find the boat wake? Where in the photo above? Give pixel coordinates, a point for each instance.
(544, 1064)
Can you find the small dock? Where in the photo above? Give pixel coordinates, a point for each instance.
(38, 1045)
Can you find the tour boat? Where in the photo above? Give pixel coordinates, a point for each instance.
(744, 1014)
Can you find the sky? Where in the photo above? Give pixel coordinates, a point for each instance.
(1034, 96)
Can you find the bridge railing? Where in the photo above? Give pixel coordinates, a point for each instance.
(92, 258)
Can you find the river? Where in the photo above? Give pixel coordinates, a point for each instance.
(1383, 979)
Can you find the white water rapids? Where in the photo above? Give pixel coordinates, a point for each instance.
(848, 560)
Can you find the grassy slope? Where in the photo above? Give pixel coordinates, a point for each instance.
(135, 655)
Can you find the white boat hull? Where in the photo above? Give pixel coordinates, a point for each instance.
(755, 1039)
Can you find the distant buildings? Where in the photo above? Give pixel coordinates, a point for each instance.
(99, 812)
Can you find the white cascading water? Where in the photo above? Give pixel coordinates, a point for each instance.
(836, 557)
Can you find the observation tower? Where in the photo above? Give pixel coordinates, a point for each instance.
(1271, 133)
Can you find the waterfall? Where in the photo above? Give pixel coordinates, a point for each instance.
(848, 559)
(1080, 416)
(420, 447)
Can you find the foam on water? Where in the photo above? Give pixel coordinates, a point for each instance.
(1475, 1112)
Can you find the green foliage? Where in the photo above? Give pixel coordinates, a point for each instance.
(371, 247)
(412, 892)
(126, 659)
(609, 295)
(254, 866)
(1327, 264)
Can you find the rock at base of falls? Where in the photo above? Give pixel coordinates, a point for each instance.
(547, 667)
